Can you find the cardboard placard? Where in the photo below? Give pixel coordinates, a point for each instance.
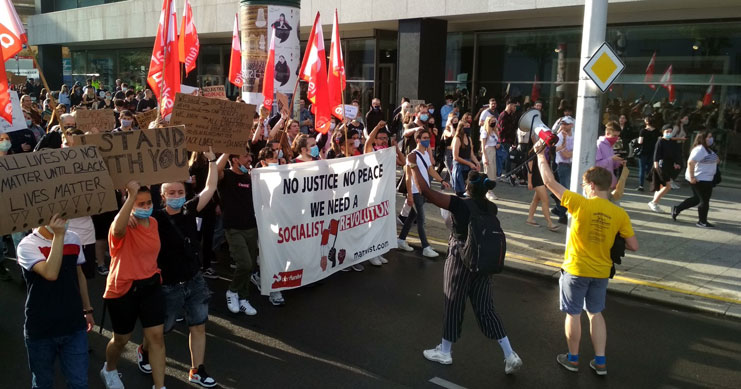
(19, 121)
(144, 118)
(90, 119)
(222, 124)
(15, 79)
(351, 111)
(415, 103)
(71, 182)
(214, 92)
(283, 106)
(150, 156)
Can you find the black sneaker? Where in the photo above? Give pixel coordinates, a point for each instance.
(102, 269)
(675, 213)
(200, 377)
(640, 188)
(142, 359)
(705, 225)
(563, 220)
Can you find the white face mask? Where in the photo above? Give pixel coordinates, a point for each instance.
(331, 126)
(356, 143)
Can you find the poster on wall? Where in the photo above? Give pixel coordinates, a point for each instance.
(285, 20)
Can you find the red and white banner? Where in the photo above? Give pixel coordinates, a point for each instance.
(6, 109)
(164, 67)
(535, 90)
(314, 71)
(235, 63)
(188, 45)
(336, 74)
(666, 82)
(708, 98)
(650, 71)
(269, 80)
(12, 34)
(317, 218)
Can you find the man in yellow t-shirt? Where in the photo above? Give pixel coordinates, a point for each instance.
(595, 222)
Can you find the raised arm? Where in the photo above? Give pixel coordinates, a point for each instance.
(220, 164)
(277, 126)
(368, 148)
(617, 193)
(547, 175)
(49, 269)
(440, 199)
(122, 218)
(212, 180)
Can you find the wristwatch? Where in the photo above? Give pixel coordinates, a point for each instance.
(412, 165)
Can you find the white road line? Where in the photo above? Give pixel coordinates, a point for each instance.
(445, 384)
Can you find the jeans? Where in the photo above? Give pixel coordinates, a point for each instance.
(73, 356)
(644, 165)
(701, 191)
(449, 164)
(417, 213)
(460, 172)
(564, 178)
(243, 249)
(507, 164)
(192, 297)
(502, 157)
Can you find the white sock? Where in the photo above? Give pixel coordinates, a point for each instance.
(506, 347)
(446, 346)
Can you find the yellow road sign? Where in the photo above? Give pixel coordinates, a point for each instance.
(604, 67)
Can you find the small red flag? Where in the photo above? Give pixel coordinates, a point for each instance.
(535, 91)
(235, 64)
(334, 226)
(12, 34)
(188, 44)
(650, 71)
(164, 67)
(269, 76)
(6, 108)
(708, 98)
(314, 71)
(336, 75)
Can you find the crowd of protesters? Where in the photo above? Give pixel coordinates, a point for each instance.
(154, 225)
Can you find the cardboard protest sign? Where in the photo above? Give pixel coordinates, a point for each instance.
(72, 182)
(19, 122)
(15, 79)
(283, 106)
(351, 111)
(214, 92)
(222, 124)
(144, 118)
(100, 119)
(188, 90)
(150, 156)
(415, 103)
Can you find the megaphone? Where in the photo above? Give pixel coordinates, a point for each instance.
(531, 121)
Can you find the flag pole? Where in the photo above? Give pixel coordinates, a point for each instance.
(41, 75)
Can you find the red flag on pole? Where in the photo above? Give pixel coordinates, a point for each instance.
(164, 67)
(6, 108)
(666, 82)
(535, 91)
(650, 71)
(314, 71)
(235, 64)
(12, 34)
(708, 98)
(269, 75)
(188, 44)
(336, 74)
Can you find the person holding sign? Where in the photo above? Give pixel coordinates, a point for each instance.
(126, 118)
(133, 289)
(58, 310)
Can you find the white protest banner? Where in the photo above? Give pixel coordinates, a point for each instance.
(189, 90)
(19, 121)
(316, 218)
(351, 111)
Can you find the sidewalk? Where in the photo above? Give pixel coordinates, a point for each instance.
(678, 263)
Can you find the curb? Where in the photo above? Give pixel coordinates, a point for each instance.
(626, 286)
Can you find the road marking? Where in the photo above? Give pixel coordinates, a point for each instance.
(445, 384)
(634, 281)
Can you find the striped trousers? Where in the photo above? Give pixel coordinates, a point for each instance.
(459, 283)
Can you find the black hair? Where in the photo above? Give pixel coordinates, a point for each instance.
(143, 189)
(478, 184)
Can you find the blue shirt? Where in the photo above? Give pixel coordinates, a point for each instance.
(444, 112)
(303, 116)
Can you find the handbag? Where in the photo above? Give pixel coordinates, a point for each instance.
(717, 178)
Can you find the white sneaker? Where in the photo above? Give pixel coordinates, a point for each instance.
(232, 301)
(375, 261)
(655, 207)
(491, 196)
(403, 245)
(675, 185)
(276, 298)
(244, 306)
(437, 355)
(255, 279)
(429, 252)
(382, 259)
(111, 380)
(512, 363)
(358, 267)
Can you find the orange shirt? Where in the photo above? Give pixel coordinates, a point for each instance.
(133, 257)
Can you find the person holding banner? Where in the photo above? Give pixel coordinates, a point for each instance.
(459, 282)
(133, 291)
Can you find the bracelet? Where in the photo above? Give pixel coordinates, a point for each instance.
(87, 311)
(412, 165)
(212, 161)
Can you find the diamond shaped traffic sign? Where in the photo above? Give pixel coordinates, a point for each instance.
(604, 67)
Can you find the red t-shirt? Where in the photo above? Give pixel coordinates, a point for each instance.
(133, 257)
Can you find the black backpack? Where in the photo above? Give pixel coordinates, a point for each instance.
(485, 246)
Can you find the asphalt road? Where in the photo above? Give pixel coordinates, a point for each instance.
(368, 330)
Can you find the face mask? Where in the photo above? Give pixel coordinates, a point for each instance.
(124, 90)
(423, 117)
(243, 169)
(272, 163)
(710, 141)
(49, 230)
(356, 143)
(5, 145)
(611, 140)
(425, 143)
(379, 147)
(280, 153)
(376, 108)
(432, 110)
(314, 151)
(142, 213)
(667, 136)
(29, 122)
(449, 103)
(331, 126)
(126, 123)
(176, 203)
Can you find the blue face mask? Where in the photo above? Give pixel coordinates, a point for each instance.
(243, 169)
(314, 151)
(176, 203)
(425, 143)
(280, 154)
(29, 122)
(432, 110)
(710, 141)
(423, 117)
(667, 136)
(142, 213)
(5, 145)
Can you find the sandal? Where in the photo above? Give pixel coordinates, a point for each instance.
(553, 228)
(534, 224)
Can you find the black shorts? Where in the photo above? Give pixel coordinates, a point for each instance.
(102, 224)
(144, 301)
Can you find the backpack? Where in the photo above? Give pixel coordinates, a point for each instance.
(485, 246)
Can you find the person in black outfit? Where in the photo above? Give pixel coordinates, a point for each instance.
(647, 139)
(459, 282)
(147, 103)
(666, 161)
(282, 28)
(282, 72)
(183, 285)
(199, 168)
(375, 114)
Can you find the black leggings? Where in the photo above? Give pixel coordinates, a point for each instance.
(701, 197)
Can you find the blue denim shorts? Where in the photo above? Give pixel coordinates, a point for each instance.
(187, 299)
(582, 293)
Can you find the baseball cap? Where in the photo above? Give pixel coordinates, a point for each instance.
(567, 120)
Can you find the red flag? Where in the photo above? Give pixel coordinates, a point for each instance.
(336, 74)
(188, 44)
(666, 82)
(650, 71)
(235, 64)
(708, 98)
(535, 92)
(6, 108)
(12, 34)
(164, 67)
(269, 75)
(314, 71)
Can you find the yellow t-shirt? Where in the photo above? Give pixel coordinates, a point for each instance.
(595, 222)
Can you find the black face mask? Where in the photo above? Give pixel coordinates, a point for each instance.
(376, 108)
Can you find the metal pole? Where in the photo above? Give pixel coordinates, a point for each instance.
(587, 103)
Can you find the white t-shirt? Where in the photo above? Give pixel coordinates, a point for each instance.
(491, 139)
(84, 228)
(484, 115)
(35, 248)
(569, 146)
(422, 169)
(707, 164)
